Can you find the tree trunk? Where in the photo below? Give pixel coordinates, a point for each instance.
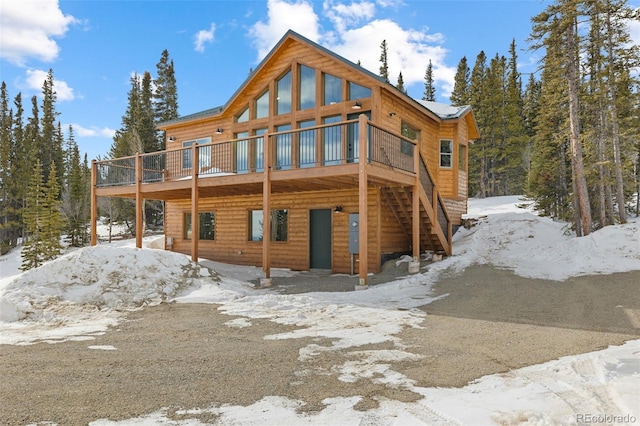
(622, 214)
(580, 186)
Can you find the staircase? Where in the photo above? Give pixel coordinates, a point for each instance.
(435, 226)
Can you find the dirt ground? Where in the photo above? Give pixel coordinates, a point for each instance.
(184, 356)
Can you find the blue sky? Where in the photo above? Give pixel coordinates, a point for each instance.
(94, 47)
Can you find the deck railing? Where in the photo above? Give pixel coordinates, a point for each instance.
(318, 146)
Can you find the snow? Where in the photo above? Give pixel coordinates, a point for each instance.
(83, 293)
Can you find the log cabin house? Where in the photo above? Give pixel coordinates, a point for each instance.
(348, 169)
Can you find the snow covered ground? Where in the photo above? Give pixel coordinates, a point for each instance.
(81, 294)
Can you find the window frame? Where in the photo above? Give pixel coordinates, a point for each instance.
(276, 236)
(187, 225)
(444, 155)
(282, 106)
(306, 88)
(186, 153)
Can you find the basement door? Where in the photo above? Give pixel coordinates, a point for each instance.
(320, 239)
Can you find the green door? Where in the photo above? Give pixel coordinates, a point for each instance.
(320, 239)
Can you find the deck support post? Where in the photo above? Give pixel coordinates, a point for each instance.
(363, 242)
(139, 202)
(266, 212)
(94, 204)
(195, 200)
(416, 211)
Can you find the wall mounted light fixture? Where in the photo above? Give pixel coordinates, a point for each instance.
(172, 138)
(219, 131)
(392, 114)
(357, 105)
(337, 209)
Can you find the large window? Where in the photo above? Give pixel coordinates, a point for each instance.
(332, 90)
(243, 116)
(307, 144)
(279, 225)
(446, 153)
(206, 229)
(283, 148)
(307, 88)
(332, 141)
(283, 94)
(358, 92)
(242, 153)
(258, 150)
(410, 133)
(262, 105)
(204, 156)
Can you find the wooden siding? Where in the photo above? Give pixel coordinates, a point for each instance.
(232, 243)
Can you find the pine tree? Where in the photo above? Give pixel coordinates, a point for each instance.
(6, 136)
(42, 217)
(50, 148)
(165, 96)
(75, 200)
(429, 87)
(384, 64)
(462, 80)
(400, 85)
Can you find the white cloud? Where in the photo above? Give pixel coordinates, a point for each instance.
(356, 35)
(28, 29)
(408, 51)
(343, 15)
(282, 16)
(203, 37)
(35, 79)
(92, 131)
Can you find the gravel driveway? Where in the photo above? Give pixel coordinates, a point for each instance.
(184, 356)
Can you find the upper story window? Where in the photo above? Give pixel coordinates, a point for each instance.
(446, 153)
(332, 90)
(358, 92)
(307, 88)
(410, 133)
(262, 105)
(283, 94)
(204, 155)
(243, 116)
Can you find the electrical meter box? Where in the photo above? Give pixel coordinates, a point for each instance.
(354, 233)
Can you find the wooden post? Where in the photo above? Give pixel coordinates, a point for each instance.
(195, 199)
(139, 202)
(94, 203)
(416, 205)
(363, 159)
(266, 212)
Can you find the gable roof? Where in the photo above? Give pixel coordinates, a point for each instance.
(442, 111)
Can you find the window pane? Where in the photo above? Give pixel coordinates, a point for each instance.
(283, 94)
(255, 225)
(186, 154)
(283, 148)
(207, 226)
(332, 141)
(332, 90)
(446, 150)
(358, 92)
(242, 153)
(307, 144)
(279, 220)
(262, 105)
(279, 225)
(307, 88)
(258, 151)
(243, 116)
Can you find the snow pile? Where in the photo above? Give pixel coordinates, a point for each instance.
(101, 277)
(538, 247)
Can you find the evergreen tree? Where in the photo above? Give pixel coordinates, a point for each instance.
(6, 124)
(429, 87)
(165, 96)
(75, 200)
(400, 85)
(42, 217)
(50, 148)
(145, 125)
(462, 80)
(384, 64)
